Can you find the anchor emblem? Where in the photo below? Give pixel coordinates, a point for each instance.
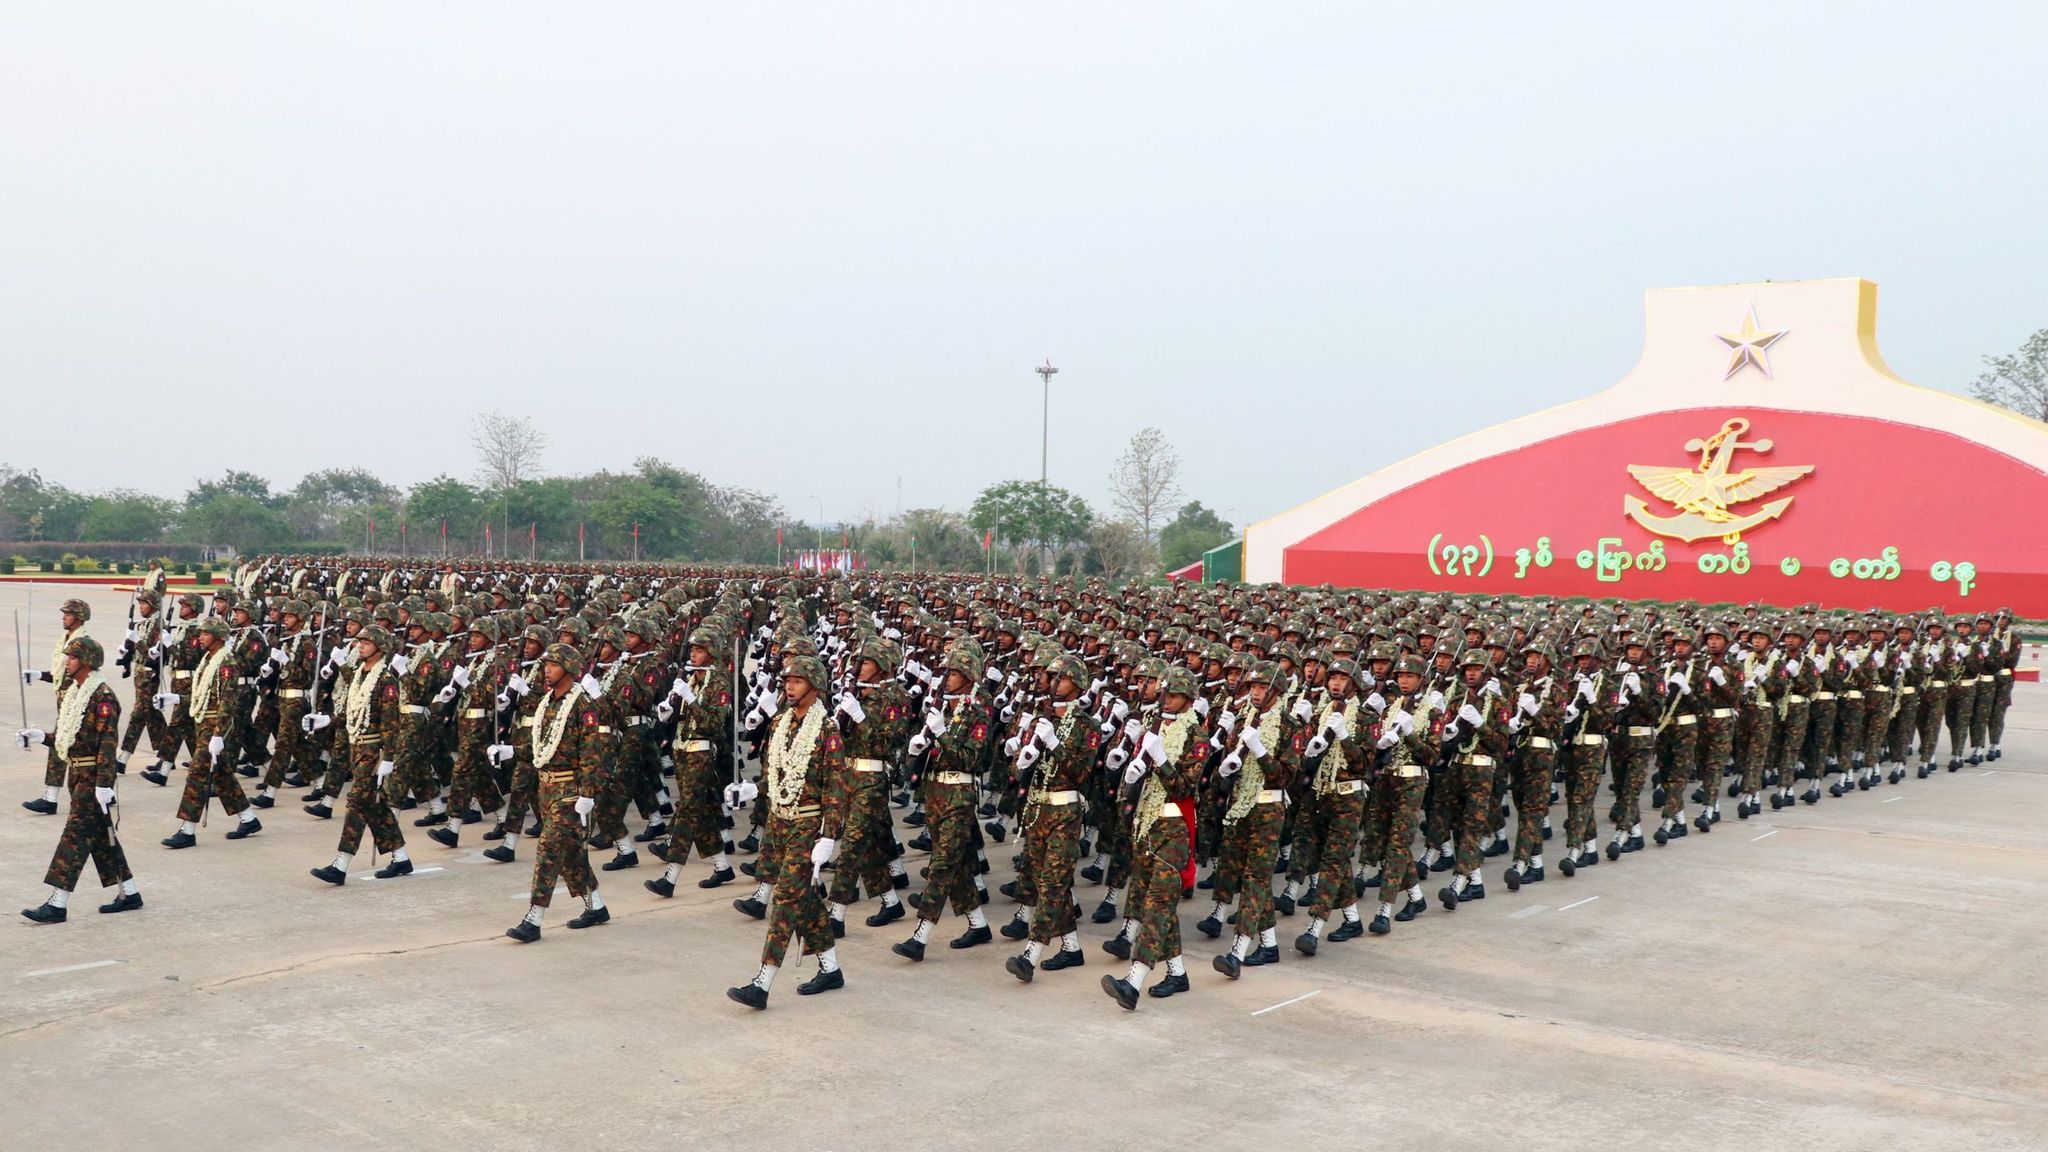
(1703, 493)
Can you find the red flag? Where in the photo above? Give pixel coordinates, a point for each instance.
(579, 532)
(444, 531)
(533, 532)
(778, 536)
(988, 539)
(845, 541)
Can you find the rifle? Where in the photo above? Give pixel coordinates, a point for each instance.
(20, 683)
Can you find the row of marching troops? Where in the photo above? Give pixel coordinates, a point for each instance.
(1259, 752)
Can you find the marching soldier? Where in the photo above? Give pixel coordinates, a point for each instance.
(1408, 733)
(88, 719)
(566, 751)
(1163, 761)
(216, 682)
(956, 731)
(72, 614)
(372, 728)
(875, 717)
(1054, 762)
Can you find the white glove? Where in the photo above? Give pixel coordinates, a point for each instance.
(1011, 746)
(1335, 727)
(849, 705)
(214, 745)
(1318, 746)
(1230, 765)
(1388, 739)
(131, 637)
(935, 722)
(1402, 722)
(770, 703)
(1132, 773)
(518, 684)
(1253, 742)
(919, 742)
(1118, 710)
(401, 664)
(584, 806)
(446, 693)
(339, 656)
(1436, 700)
(993, 675)
(664, 711)
(1008, 713)
(501, 753)
(1027, 757)
(1201, 707)
(1528, 703)
(1587, 691)
(1678, 683)
(1715, 674)
(1902, 659)
(822, 850)
(1470, 715)
(31, 737)
(1132, 727)
(1792, 668)
(684, 691)
(320, 720)
(1515, 722)
(503, 700)
(462, 675)
(591, 687)
(1227, 720)
(384, 768)
(277, 655)
(1633, 683)
(1303, 710)
(106, 798)
(1571, 712)
(1153, 748)
(1376, 702)
(30, 675)
(1046, 734)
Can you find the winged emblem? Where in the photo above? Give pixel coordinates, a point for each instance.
(1703, 493)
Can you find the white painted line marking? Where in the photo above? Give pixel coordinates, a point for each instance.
(1754, 839)
(527, 894)
(1987, 773)
(1285, 1003)
(427, 871)
(1893, 799)
(1525, 913)
(72, 968)
(1576, 903)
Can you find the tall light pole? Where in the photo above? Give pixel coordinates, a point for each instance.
(1045, 374)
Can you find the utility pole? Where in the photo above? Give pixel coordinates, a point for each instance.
(1045, 374)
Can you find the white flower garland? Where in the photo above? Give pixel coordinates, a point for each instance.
(544, 746)
(356, 707)
(789, 755)
(1152, 797)
(71, 711)
(202, 680)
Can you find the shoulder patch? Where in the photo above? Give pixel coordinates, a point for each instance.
(106, 708)
(649, 678)
(833, 743)
(725, 699)
(589, 719)
(979, 731)
(391, 691)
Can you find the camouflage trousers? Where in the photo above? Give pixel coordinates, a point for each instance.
(1338, 817)
(1962, 713)
(295, 749)
(634, 779)
(2001, 699)
(696, 823)
(1254, 843)
(797, 910)
(867, 843)
(1877, 722)
(1470, 788)
(368, 807)
(949, 817)
(525, 794)
(1052, 847)
(472, 780)
(88, 832)
(1820, 735)
(1303, 836)
(561, 854)
(211, 777)
(1156, 863)
(1850, 712)
(1532, 769)
(1980, 716)
(1753, 743)
(1439, 823)
(1582, 764)
(414, 772)
(144, 715)
(1113, 839)
(1717, 749)
(1395, 850)
(1933, 710)
(1904, 724)
(1682, 747)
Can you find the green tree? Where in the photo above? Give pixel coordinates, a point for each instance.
(2019, 381)
(234, 483)
(125, 515)
(240, 521)
(1031, 516)
(322, 500)
(1192, 532)
(445, 499)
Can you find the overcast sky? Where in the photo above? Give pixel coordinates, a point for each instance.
(810, 249)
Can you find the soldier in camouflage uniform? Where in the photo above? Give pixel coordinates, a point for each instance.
(1589, 715)
(216, 682)
(957, 730)
(478, 678)
(566, 750)
(1968, 663)
(1336, 761)
(804, 760)
(1760, 685)
(144, 637)
(2006, 649)
(295, 662)
(1678, 739)
(371, 728)
(1407, 738)
(700, 703)
(88, 720)
(523, 703)
(180, 657)
(1162, 760)
(875, 717)
(1937, 669)
(1261, 767)
(1475, 737)
(1054, 761)
(422, 670)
